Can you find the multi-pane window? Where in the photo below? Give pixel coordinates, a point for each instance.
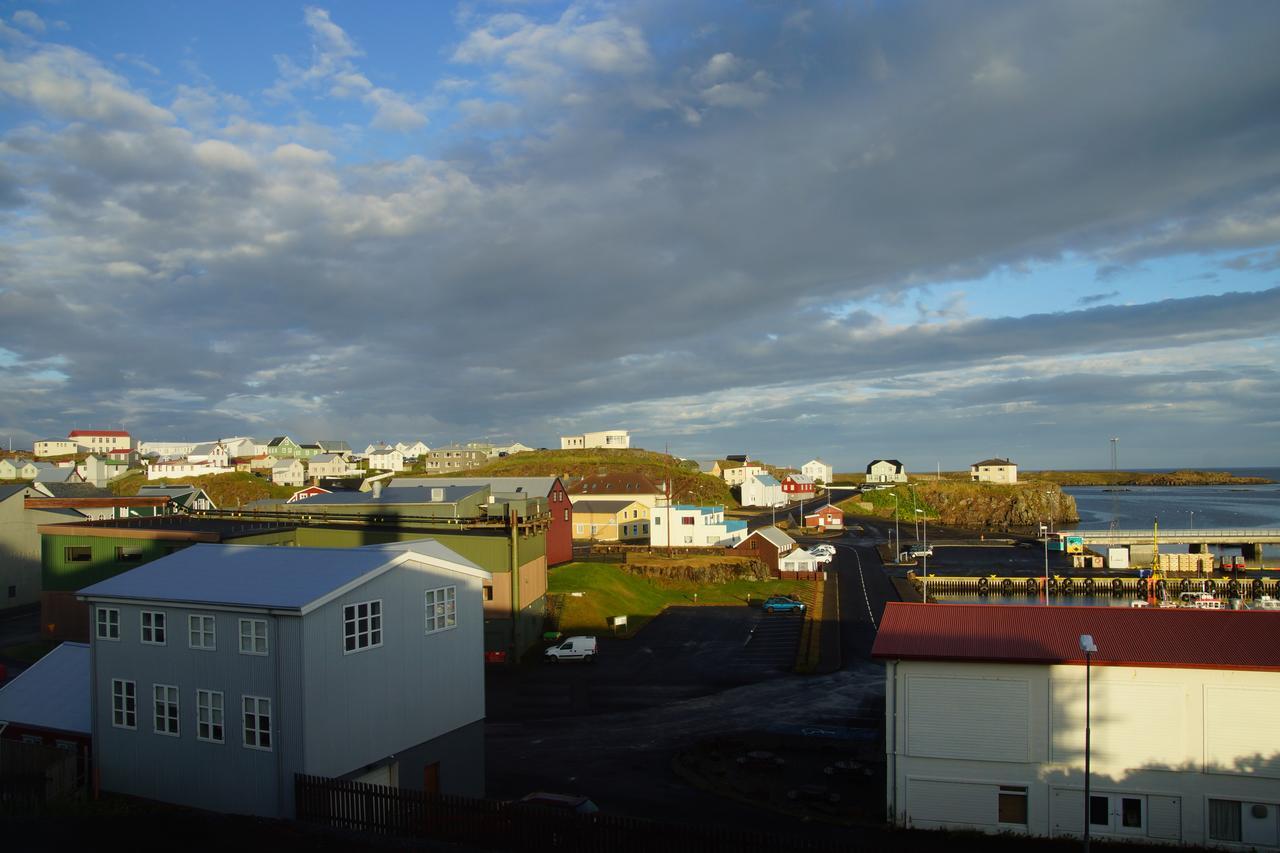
(442, 608)
(362, 626)
(108, 620)
(152, 627)
(124, 704)
(201, 631)
(209, 719)
(166, 709)
(253, 636)
(257, 722)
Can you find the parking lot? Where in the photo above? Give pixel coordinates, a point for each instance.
(685, 652)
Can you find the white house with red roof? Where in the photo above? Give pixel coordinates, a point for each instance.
(986, 710)
(101, 440)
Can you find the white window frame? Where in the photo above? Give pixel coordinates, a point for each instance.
(197, 623)
(441, 609)
(123, 692)
(166, 708)
(252, 637)
(251, 736)
(211, 716)
(351, 621)
(104, 625)
(158, 625)
(1115, 814)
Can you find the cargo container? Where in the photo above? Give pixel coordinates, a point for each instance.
(1118, 558)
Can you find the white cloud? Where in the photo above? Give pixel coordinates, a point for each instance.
(66, 83)
(333, 69)
(29, 20)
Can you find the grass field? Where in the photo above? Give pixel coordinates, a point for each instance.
(608, 591)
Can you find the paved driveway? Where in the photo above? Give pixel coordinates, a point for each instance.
(683, 653)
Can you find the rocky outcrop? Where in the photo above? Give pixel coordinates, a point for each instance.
(992, 506)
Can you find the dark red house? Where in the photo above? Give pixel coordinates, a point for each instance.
(768, 545)
(798, 486)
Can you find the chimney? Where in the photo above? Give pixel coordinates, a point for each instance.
(377, 489)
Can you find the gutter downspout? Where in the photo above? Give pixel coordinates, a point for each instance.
(891, 708)
(276, 746)
(515, 581)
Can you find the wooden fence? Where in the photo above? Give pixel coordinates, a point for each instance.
(32, 774)
(492, 824)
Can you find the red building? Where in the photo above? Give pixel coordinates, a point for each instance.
(798, 486)
(828, 516)
(768, 545)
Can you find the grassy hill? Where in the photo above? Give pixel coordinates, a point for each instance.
(227, 491)
(688, 484)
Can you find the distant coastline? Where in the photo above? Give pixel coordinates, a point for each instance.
(1146, 478)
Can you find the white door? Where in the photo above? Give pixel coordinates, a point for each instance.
(1121, 814)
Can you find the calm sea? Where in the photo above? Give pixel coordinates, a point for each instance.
(1181, 507)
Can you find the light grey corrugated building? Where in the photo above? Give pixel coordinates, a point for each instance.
(222, 670)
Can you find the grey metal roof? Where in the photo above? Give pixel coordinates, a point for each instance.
(76, 490)
(53, 693)
(334, 446)
(601, 506)
(10, 490)
(428, 548)
(776, 536)
(420, 495)
(992, 462)
(55, 475)
(243, 575)
(767, 480)
(323, 457)
(537, 486)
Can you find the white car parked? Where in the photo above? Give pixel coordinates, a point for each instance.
(574, 648)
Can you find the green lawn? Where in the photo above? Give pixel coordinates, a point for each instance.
(608, 591)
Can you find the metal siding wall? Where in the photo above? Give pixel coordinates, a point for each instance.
(1242, 730)
(221, 777)
(953, 803)
(984, 719)
(1152, 731)
(364, 706)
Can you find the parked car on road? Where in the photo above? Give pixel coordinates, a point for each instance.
(783, 604)
(559, 802)
(574, 648)
(824, 548)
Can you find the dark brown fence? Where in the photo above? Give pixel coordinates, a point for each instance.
(491, 824)
(32, 774)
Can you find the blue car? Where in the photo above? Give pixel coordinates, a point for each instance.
(783, 604)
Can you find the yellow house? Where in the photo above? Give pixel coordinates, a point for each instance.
(611, 521)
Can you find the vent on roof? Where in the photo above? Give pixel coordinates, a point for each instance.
(437, 494)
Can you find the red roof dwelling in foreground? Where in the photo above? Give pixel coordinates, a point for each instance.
(1148, 636)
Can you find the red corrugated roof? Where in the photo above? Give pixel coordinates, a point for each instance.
(1169, 637)
(116, 432)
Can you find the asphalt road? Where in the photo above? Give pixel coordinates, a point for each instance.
(610, 730)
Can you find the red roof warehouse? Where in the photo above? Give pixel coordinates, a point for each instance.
(1155, 637)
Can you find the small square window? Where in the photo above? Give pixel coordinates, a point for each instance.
(202, 632)
(166, 709)
(124, 704)
(442, 609)
(1013, 805)
(153, 627)
(209, 716)
(253, 636)
(108, 623)
(362, 626)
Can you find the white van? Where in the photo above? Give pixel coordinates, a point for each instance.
(574, 648)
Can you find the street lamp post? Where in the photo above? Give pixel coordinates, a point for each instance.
(925, 554)
(1044, 534)
(897, 537)
(1089, 647)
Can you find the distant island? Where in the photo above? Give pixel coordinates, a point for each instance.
(1134, 478)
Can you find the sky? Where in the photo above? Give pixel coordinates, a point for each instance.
(932, 232)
